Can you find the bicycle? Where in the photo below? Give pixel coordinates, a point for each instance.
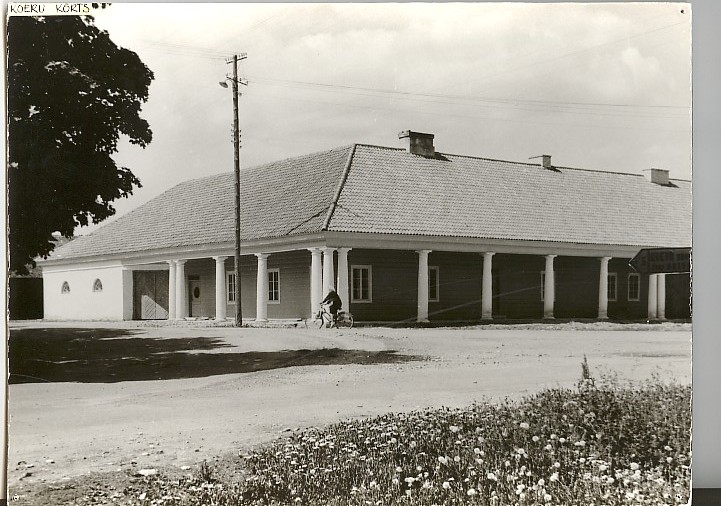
(324, 318)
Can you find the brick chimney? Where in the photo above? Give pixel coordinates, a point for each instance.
(418, 143)
(657, 176)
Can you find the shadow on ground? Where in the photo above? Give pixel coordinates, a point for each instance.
(113, 355)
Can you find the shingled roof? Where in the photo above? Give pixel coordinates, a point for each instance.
(388, 190)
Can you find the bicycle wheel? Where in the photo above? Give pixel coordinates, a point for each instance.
(349, 321)
(319, 321)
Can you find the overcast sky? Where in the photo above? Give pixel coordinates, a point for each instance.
(596, 86)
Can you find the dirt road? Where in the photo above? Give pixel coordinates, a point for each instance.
(117, 397)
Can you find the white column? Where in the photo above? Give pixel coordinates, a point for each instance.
(549, 292)
(652, 296)
(487, 287)
(181, 298)
(661, 297)
(603, 289)
(342, 286)
(171, 290)
(328, 271)
(220, 288)
(261, 292)
(316, 280)
(423, 285)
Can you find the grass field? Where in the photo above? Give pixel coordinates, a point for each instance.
(602, 443)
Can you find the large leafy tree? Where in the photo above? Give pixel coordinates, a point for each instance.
(72, 92)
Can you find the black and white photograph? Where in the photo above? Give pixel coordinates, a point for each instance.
(349, 254)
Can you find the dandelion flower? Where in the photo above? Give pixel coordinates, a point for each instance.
(553, 477)
(553, 436)
(602, 468)
(547, 497)
(535, 439)
(524, 425)
(548, 447)
(454, 428)
(446, 485)
(668, 448)
(395, 481)
(443, 460)
(562, 440)
(456, 459)
(669, 459)
(492, 476)
(634, 466)
(556, 465)
(541, 482)
(399, 469)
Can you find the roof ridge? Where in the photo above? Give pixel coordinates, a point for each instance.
(339, 189)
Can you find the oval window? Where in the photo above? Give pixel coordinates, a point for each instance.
(65, 288)
(98, 286)
(196, 292)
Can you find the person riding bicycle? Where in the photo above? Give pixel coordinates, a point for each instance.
(335, 304)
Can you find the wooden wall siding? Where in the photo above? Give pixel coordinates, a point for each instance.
(394, 281)
(517, 292)
(577, 281)
(459, 289)
(678, 296)
(294, 284)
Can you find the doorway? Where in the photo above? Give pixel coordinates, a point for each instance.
(196, 306)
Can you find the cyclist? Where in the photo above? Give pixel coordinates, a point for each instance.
(335, 304)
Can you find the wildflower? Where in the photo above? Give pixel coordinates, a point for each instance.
(471, 492)
(476, 451)
(556, 465)
(547, 497)
(492, 476)
(548, 447)
(524, 425)
(443, 460)
(541, 482)
(399, 469)
(668, 448)
(456, 459)
(602, 468)
(634, 466)
(395, 481)
(409, 480)
(562, 440)
(454, 428)
(507, 463)
(610, 480)
(446, 485)
(535, 439)
(372, 484)
(580, 443)
(669, 459)
(522, 497)
(553, 436)
(553, 477)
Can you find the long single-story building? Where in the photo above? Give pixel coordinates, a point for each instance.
(402, 234)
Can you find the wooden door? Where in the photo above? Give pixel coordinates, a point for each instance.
(150, 295)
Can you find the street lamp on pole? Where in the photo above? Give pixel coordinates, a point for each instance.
(234, 81)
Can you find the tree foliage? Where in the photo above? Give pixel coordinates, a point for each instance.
(72, 92)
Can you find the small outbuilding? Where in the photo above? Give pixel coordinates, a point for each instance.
(402, 235)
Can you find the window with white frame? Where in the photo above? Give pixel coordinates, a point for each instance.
(230, 286)
(274, 286)
(634, 287)
(361, 284)
(612, 285)
(433, 284)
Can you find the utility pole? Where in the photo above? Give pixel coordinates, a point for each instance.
(234, 81)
